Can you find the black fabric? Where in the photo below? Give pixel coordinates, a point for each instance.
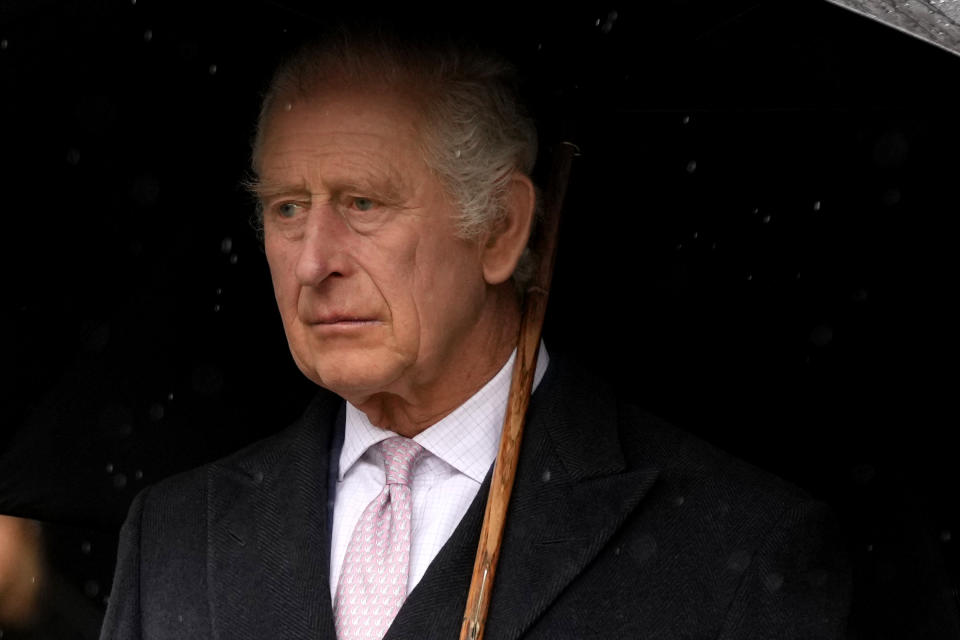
(620, 526)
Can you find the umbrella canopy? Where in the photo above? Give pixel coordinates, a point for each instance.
(936, 21)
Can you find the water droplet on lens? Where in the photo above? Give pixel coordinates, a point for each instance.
(226, 245)
(109, 467)
(212, 69)
(86, 547)
(233, 259)
(148, 35)
(156, 411)
(691, 166)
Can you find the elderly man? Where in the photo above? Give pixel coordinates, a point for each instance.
(396, 207)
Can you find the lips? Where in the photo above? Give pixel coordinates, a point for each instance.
(340, 319)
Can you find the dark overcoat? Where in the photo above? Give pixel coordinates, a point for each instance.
(620, 526)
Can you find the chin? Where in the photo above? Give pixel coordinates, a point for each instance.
(352, 380)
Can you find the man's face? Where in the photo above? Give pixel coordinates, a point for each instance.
(376, 291)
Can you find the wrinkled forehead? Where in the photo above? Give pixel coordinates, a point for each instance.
(402, 105)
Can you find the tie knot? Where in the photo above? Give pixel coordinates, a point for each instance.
(399, 456)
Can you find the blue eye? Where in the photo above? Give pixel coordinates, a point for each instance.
(363, 204)
(288, 209)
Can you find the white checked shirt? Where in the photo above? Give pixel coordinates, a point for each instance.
(458, 452)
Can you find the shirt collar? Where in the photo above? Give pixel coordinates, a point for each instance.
(467, 439)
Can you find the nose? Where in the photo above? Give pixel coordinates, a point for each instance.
(322, 246)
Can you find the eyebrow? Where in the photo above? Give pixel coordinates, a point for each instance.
(265, 189)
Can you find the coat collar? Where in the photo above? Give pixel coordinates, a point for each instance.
(573, 491)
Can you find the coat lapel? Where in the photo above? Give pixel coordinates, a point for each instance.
(268, 536)
(572, 493)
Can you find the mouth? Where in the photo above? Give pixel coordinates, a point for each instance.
(341, 320)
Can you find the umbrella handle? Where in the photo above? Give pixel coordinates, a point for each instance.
(505, 467)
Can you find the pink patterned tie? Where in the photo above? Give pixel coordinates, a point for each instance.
(373, 581)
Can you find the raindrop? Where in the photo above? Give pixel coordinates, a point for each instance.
(686, 119)
(216, 308)
(86, 547)
(91, 588)
(756, 210)
(766, 219)
(870, 547)
(816, 206)
(119, 481)
(212, 69)
(33, 579)
(945, 535)
(156, 412)
(289, 105)
(773, 582)
(821, 335)
(860, 295)
(219, 291)
(457, 153)
(4, 44)
(170, 396)
(226, 245)
(713, 246)
(696, 234)
(109, 467)
(679, 246)
(180, 617)
(138, 474)
(691, 166)
(73, 156)
(749, 276)
(546, 475)
(133, 1)
(616, 551)
(597, 23)
(891, 197)
(679, 500)
(539, 46)
(148, 35)
(233, 259)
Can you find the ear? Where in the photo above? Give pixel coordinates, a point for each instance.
(503, 246)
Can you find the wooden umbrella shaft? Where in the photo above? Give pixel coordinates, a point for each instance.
(505, 467)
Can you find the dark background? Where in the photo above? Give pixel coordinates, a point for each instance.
(759, 245)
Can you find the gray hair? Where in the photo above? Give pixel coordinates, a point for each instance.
(476, 133)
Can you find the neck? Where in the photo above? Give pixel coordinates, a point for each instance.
(417, 408)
